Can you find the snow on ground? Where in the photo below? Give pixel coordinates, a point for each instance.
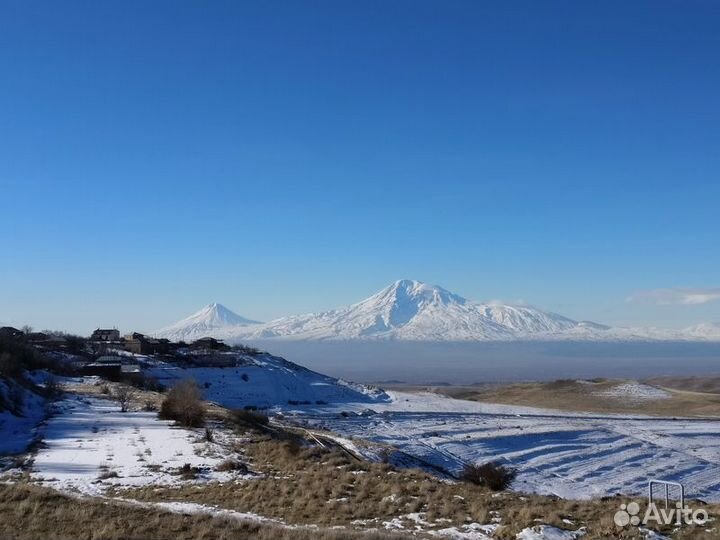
(634, 392)
(570, 455)
(18, 430)
(264, 381)
(470, 531)
(546, 532)
(90, 437)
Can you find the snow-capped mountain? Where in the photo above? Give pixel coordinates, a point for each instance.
(412, 310)
(405, 310)
(208, 322)
(409, 310)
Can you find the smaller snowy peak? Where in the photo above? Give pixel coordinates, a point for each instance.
(217, 315)
(207, 321)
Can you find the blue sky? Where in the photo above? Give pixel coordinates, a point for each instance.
(284, 157)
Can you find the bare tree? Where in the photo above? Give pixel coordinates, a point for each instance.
(124, 396)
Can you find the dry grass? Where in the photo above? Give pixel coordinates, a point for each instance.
(314, 486)
(29, 513)
(705, 385)
(569, 395)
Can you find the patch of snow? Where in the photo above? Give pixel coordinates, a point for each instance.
(634, 391)
(470, 531)
(547, 532)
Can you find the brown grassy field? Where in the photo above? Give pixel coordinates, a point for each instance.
(314, 486)
(705, 385)
(570, 395)
(33, 513)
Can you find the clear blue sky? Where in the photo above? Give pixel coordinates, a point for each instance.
(284, 157)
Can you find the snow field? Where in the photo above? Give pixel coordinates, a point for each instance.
(90, 445)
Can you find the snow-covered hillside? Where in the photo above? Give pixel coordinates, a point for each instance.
(410, 310)
(20, 412)
(265, 381)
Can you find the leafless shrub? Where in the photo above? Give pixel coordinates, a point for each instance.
(184, 405)
(495, 476)
(124, 396)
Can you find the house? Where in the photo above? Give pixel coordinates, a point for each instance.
(141, 344)
(37, 337)
(105, 366)
(209, 344)
(105, 335)
(41, 338)
(111, 367)
(136, 343)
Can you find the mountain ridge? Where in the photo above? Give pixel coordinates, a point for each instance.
(410, 310)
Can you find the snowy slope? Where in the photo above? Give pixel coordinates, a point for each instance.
(18, 426)
(266, 381)
(415, 311)
(209, 321)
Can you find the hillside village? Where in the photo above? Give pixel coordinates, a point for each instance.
(108, 353)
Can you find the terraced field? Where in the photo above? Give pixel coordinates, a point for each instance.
(570, 455)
